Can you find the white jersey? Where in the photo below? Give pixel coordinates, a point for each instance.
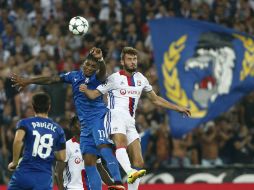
(74, 172)
(124, 91)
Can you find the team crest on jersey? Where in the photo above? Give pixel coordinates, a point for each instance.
(139, 82)
(87, 80)
(123, 91)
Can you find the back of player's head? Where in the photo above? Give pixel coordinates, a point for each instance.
(128, 50)
(74, 121)
(41, 102)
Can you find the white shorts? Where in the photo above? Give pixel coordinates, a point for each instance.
(121, 122)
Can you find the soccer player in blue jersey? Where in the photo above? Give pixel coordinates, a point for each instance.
(43, 140)
(93, 138)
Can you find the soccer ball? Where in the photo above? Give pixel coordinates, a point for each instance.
(78, 25)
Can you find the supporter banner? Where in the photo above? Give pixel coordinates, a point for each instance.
(201, 175)
(186, 187)
(203, 66)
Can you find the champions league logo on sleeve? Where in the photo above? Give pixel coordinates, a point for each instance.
(215, 57)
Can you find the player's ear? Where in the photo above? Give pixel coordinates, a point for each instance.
(122, 63)
(49, 108)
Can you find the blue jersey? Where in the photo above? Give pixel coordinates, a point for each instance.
(43, 137)
(87, 109)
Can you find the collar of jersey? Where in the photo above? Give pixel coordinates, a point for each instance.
(73, 139)
(122, 72)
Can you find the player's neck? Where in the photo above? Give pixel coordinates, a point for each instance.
(77, 138)
(127, 73)
(44, 115)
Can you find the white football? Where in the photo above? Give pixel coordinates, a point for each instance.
(78, 25)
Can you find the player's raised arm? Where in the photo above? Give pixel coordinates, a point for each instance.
(21, 82)
(17, 146)
(159, 101)
(101, 72)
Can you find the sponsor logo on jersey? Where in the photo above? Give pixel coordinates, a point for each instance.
(130, 92)
(123, 91)
(77, 160)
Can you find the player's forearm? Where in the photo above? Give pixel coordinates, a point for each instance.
(159, 101)
(102, 70)
(17, 146)
(92, 94)
(44, 80)
(59, 181)
(59, 174)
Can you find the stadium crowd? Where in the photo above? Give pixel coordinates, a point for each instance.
(35, 40)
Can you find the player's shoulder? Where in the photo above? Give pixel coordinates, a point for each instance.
(59, 129)
(26, 120)
(69, 143)
(113, 75)
(71, 73)
(140, 76)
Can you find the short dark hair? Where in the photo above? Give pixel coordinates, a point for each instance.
(128, 50)
(41, 102)
(74, 121)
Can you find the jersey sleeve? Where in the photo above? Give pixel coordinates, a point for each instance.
(21, 125)
(66, 77)
(61, 143)
(147, 87)
(107, 85)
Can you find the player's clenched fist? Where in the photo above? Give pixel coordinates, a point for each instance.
(97, 53)
(12, 166)
(82, 88)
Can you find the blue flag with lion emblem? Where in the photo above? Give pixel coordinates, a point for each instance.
(203, 66)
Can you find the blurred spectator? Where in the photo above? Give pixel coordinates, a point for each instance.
(243, 146)
(34, 39)
(248, 112)
(180, 152)
(210, 145)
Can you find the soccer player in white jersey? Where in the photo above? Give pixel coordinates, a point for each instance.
(124, 90)
(71, 174)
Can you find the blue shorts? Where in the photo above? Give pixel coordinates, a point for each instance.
(92, 135)
(27, 180)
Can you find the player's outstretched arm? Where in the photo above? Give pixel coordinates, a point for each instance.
(21, 82)
(91, 94)
(17, 146)
(159, 101)
(59, 174)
